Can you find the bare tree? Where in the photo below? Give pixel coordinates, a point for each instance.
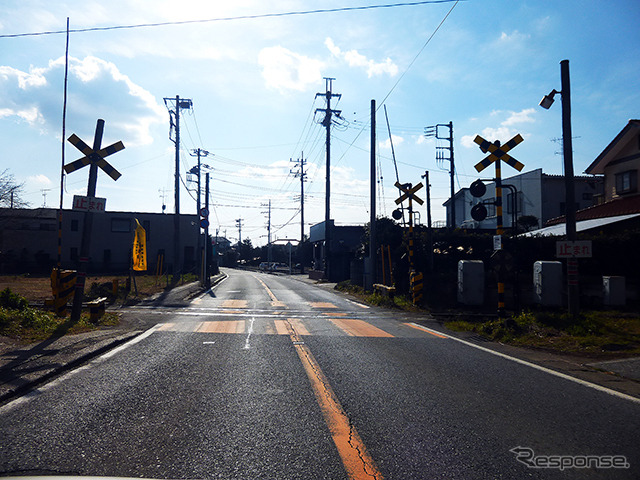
(11, 192)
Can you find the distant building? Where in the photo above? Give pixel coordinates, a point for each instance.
(345, 241)
(222, 244)
(29, 240)
(537, 194)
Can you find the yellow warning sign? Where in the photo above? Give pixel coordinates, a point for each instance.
(139, 248)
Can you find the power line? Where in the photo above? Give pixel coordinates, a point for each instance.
(403, 74)
(228, 19)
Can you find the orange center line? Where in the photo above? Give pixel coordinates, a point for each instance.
(273, 297)
(355, 457)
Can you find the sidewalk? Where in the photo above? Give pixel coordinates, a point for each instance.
(24, 368)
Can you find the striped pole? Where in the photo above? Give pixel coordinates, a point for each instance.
(412, 271)
(499, 231)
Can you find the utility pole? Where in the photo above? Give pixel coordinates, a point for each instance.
(300, 173)
(198, 152)
(432, 131)
(163, 196)
(207, 271)
(327, 209)
(239, 225)
(269, 251)
(372, 219)
(570, 196)
(429, 228)
(174, 121)
(268, 212)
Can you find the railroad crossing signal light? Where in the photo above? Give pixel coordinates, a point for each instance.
(479, 212)
(478, 188)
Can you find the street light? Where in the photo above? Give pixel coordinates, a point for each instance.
(547, 100)
(570, 197)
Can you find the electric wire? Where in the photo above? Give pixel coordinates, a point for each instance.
(227, 19)
(404, 72)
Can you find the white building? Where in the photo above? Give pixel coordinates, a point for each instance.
(537, 194)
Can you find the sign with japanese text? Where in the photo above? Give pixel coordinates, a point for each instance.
(578, 249)
(89, 204)
(497, 242)
(140, 248)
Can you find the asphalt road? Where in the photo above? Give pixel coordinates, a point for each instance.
(270, 377)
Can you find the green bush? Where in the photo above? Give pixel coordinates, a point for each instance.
(11, 300)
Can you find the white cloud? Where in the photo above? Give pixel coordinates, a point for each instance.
(95, 87)
(33, 78)
(524, 116)
(503, 132)
(31, 115)
(386, 145)
(40, 179)
(356, 59)
(514, 37)
(286, 70)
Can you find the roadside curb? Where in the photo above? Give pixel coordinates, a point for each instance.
(23, 384)
(25, 368)
(181, 294)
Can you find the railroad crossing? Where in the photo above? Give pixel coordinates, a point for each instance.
(94, 157)
(415, 278)
(498, 154)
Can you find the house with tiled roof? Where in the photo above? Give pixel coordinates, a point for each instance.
(619, 162)
(619, 205)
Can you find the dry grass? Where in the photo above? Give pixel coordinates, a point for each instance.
(38, 288)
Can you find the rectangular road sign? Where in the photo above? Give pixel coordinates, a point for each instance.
(497, 242)
(578, 249)
(89, 204)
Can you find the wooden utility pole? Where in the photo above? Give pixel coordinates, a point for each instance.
(207, 261)
(183, 103)
(570, 196)
(327, 208)
(429, 227)
(300, 173)
(373, 271)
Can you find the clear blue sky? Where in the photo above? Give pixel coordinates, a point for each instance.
(253, 84)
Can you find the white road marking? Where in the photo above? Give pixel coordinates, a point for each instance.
(594, 386)
(361, 305)
(247, 346)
